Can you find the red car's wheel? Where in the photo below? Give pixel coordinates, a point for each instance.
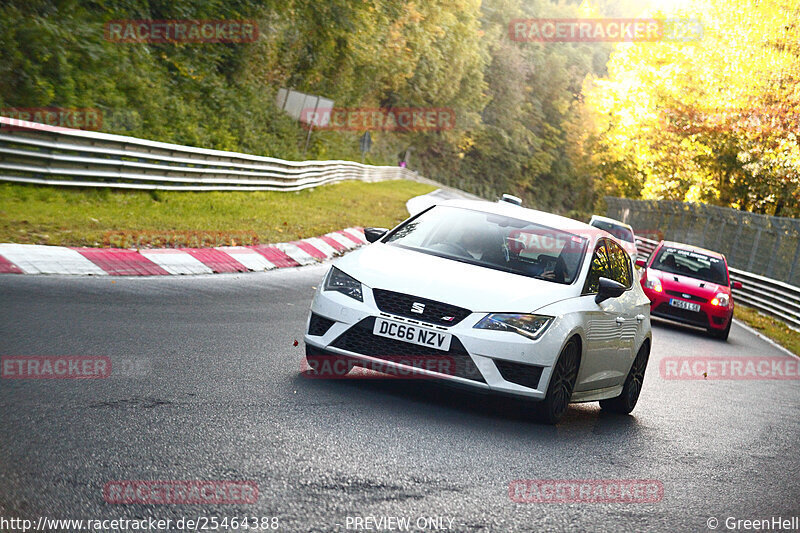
(721, 334)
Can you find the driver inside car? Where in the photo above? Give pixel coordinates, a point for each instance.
(481, 245)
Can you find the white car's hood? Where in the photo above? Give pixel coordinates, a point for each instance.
(479, 289)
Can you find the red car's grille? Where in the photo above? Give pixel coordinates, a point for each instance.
(696, 318)
(687, 296)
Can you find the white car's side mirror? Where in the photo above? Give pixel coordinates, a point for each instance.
(608, 288)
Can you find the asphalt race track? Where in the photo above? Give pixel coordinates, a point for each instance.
(207, 385)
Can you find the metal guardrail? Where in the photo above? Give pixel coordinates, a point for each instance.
(772, 297)
(46, 155)
(752, 242)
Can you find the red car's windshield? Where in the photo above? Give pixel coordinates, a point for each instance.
(692, 264)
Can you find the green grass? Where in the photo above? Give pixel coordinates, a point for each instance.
(104, 217)
(771, 327)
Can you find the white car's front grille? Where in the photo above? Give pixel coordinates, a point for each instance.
(360, 339)
(423, 309)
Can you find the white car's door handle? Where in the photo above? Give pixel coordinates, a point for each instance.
(639, 318)
(620, 320)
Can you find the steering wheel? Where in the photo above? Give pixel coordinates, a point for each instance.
(453, 247)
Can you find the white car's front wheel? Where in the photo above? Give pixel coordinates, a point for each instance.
(626, 401)
(562, 382)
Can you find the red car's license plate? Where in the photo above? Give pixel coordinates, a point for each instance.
(680, 304)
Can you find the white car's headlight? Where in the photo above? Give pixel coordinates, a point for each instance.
(341, 282)
(531, 326)
(721, 300)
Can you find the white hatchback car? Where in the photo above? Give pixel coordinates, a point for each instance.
(514, 300)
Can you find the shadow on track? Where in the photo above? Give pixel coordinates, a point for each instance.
(445, 404)
(683, 328)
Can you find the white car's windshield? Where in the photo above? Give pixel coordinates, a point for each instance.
(494, 241)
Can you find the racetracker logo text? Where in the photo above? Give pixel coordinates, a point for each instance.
(53, 118)
(608, 30)
(586, 491)
(55, 367)
(181, 31)
(762, 120)
(730, 368)
(410, 367)
(178, 239)
(379, 119)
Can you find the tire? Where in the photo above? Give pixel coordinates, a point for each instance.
(626, 401)
(562, 382)
(721, 334)
(325, 365)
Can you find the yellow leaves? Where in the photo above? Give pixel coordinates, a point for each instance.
(669, 108)
(466, 143)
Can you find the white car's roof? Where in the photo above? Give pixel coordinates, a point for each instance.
(523, 213)
(611, 221)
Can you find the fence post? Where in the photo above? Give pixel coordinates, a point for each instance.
(753, 250)
(720, 233)
(705, 229)
(773, 256)
(794, 263)
(689, 217)
(668, 223)
(734, 248)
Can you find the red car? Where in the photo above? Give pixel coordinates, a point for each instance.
(689, 285)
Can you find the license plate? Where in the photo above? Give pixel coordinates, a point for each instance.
(681, 304)
(413, 334)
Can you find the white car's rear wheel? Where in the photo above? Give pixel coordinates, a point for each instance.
(562, 382)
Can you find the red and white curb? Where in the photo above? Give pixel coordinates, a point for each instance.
(38, 259)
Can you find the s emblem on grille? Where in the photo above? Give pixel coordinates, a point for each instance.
(417, 307)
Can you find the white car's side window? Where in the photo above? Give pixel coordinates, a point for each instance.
(619, 264)
(598, 268)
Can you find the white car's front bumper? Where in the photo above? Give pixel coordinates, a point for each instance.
(483, 357)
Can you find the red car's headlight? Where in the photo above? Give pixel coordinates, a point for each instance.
(721, 300)
(654, 284)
